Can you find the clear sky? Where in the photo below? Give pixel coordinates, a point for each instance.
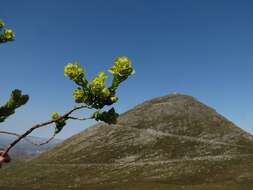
(200, 48)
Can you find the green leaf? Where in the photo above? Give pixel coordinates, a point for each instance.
(109, 117)
(15, 101)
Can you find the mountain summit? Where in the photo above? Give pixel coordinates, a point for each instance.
(173, 141)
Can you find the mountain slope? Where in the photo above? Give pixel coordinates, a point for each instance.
(173, 141)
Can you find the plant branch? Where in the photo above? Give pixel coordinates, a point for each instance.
(50, 139)
(66, 115)
(80, 119)
(18, 135)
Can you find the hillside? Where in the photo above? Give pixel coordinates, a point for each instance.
(173, 142)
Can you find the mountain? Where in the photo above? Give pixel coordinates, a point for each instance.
(171, 142)
(25, 150)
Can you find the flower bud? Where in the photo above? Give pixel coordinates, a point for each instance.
(74, 71)
(98, 83)
(122, 67)
(114, 99)
(78, 94)
(8, 35)
(105, 92)
(54, 115)
(2, 24)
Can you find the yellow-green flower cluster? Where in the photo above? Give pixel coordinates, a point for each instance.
(79, 95)
(95, 93)
(8, 35)
(121, 70)
(122, 67)
(2, 24)
(74, 71)
(97, 85)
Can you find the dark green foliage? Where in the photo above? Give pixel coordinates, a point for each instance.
(109, 117)
(15, 101)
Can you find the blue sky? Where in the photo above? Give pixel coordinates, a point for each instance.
(195, 47)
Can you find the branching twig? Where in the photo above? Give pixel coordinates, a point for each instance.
(50, 139)
(66, 115)
(18, 135)
(27, 138)
(69, 117)
(80, 119)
